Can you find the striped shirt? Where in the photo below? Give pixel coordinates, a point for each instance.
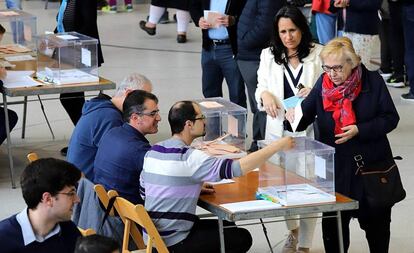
(171, 181)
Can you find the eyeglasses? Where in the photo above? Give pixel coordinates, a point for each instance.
(151, 114)
(335, 68)
(70, 194)
(201, 117)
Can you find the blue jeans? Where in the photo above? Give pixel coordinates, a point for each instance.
(217, 64)
(325, 27)
(408, 23)
(17, 27)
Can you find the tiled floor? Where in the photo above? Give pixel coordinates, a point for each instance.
(176, 74)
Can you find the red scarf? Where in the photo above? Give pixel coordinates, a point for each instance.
(338, 99)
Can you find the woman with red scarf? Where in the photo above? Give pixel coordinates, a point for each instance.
(354, 113)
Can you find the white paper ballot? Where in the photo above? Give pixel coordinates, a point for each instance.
(19, 79)
(320, 167)
(86, 57)
(26, 57)
(223, 181)
(253, 205)
(298, 117)
(67, 37)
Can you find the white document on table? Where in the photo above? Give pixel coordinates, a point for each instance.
(252, 205)
(223, 181)
(19, 79)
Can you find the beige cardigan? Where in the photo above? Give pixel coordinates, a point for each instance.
(270, 78)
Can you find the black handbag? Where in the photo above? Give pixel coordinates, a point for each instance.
(381, 181)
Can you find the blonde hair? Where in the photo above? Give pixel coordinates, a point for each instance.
(341, 48)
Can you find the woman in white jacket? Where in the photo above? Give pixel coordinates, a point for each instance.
(289, 67)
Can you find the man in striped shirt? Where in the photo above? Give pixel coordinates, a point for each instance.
(172, 179)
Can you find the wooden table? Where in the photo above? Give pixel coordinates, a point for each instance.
(244, 189)
(103, 84)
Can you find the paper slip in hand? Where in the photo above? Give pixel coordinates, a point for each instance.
(211, 18)
(253, 205)
(298, 117)
(223, 181)
(291, 102)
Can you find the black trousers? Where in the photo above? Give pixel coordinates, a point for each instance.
(204, 238)
(73, 103)
(375, 223)
(396, 37)
(386, 59)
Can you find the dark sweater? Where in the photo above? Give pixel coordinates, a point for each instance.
(255, 27)
(11, 239)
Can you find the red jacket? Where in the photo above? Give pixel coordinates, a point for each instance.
(320, 6)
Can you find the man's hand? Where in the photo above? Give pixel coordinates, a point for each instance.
(203, 24)
(207, 189)
(3, 73)
(349, 132)
(287, 142)
(270, 104)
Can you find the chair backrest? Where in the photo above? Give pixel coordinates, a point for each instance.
(104, 197)
(86, 232)
(137, 214)
(32, 156)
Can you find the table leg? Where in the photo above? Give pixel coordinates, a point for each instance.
(340, 236)
(24, 116)
(221, 233)
(9, 143)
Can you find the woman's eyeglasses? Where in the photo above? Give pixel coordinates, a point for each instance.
(335, 68)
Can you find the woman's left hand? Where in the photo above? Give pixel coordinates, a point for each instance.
(304, 92)
(349, 132)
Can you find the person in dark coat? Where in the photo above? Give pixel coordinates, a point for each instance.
(355, 112)
(78, 16)
(253, 35)
(157, 10)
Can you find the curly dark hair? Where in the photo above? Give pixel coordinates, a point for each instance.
(276, 45)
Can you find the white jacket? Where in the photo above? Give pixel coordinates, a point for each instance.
(270, 78)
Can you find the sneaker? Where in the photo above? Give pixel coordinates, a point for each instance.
(109, 9)
(385, 73)
(291, 244)
(150, 31)
(396, 81)
(408, 97)
(129, 8)
(64, 151)
(181, 38)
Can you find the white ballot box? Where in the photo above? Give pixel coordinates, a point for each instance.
(302, 175)
(224, 119)
(67, 58)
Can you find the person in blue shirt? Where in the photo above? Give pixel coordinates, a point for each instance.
(99, 115)
(49, 190)
(120, 156)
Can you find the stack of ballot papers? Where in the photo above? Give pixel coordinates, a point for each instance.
(19, 79)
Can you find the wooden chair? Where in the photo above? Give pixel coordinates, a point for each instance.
(87, 232)
(137, 214)
(104, 197)
(32, 156)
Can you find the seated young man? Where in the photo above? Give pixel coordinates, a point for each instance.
(49, 190)
(172, 178)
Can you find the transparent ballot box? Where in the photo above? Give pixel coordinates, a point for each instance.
(302, 175)
(20, 32)
(67, 58)
(224, 120)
